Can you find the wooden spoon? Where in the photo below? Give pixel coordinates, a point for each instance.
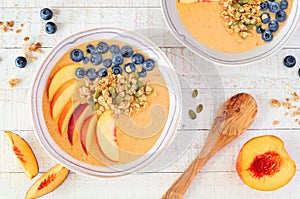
(233, 118)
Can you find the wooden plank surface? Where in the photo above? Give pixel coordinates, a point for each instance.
(264, 80)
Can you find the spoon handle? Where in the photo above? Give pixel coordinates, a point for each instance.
(180, 186)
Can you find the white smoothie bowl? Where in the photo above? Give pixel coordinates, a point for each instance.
(40, 84)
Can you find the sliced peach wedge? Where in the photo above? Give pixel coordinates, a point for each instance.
(65, 116)
(62, 96)
(24, 154)
(107, 136)
(88, 131)
(264, 164)
(81, 113)
(65, 74)
(48, 182)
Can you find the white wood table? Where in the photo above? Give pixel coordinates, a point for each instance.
(218, 179)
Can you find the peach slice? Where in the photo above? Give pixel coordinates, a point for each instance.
(107, 136)
(65, 74)
(80, 114)
(24, 154)
(65, 116)
(264, 164)
(48, 182)
(87, 131)
(61, 98)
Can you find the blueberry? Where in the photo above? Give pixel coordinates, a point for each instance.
(91, 74)
(143, 73)
(299, 72)
(107, 63)
(259, 30)
(289, 61)
(274, 7)
(20, 62)
(80, 73)
(46, 14)
(265, 17)
(114, 49)
(271, 0)
(267, 35)
(116, 70)
(117, 59)
(50, 27)
(281, 16)
(102, 72)
(264, 5)
(129, 68)
(102, 47)
(127, 51)
(77, 55)
(148, 64)
(273, 26)
(138, 58)
(96, 58)
(283, 5)
(86, 60)
(90, 49)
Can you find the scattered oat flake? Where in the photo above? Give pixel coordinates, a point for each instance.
(18, 31)
(32, 58)
(275, 103)
(13, 82)
(275, 122)
(26, 38)
(35, 47)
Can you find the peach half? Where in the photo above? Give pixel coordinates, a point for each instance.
(264, 164)
(24, 154)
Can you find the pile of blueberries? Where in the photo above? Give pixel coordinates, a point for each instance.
(94, 54)
(273, 25)
(47, 14)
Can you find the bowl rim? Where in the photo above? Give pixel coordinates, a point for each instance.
(194, 45)
(38, 122)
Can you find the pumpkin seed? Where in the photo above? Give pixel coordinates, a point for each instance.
(238, 15)
(250, 27)
(236, 6)
(127, 97)
(192, 114)
(97, 94)
(138, 94)
(140, 83)
(199, 108)
(119, 100)
(91, 102)
(243, 1)
(195, 93)
(96, 107)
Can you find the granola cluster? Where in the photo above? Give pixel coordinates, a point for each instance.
(9, 25)
(28, 50)
(291, 106)
(241, 16)
(120, 93)
(13, 82)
